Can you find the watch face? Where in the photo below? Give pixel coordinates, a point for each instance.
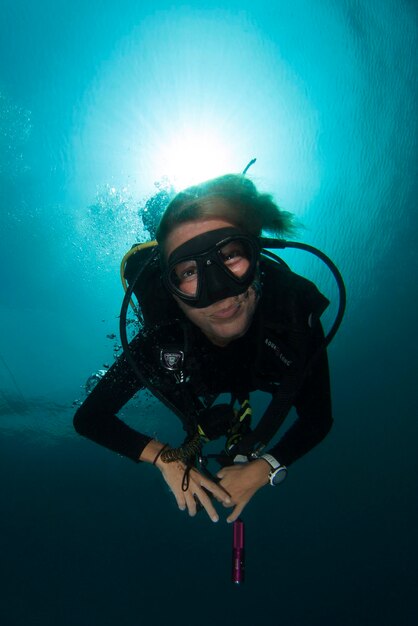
(278, 476)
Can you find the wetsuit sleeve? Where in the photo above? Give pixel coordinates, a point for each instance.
(96, 418)
(313, 407)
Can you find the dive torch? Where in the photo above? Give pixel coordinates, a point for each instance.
(238, 555)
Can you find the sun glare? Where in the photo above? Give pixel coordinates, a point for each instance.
(192, 157)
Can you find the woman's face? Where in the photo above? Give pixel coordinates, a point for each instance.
(226, 319)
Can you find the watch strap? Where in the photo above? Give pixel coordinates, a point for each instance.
(277, 469)
(274, 463)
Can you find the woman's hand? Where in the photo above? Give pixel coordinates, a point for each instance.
(198, 489)
(242, 481)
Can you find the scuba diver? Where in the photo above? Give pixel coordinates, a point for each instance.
(219, 314)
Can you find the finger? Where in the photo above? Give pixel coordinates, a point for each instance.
(228, 469)
(191, 503)
(206, 502)
(181, 503)
(236, 513)
(224, 499)
(218, 492)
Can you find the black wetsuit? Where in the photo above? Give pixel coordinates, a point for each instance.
(276, 351)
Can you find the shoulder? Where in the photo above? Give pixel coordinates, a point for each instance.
(156, 304)
(289, 295)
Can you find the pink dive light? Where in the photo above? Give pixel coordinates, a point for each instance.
(238, 556)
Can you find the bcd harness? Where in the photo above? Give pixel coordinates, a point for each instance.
(160, 316)
(157, 310)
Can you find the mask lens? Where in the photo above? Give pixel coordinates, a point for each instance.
(184, 276)
(235, 258)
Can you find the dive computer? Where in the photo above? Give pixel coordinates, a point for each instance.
(278, 471)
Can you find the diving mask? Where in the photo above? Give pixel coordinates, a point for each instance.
(212, 266)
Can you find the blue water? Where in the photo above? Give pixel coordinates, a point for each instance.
(100, 100)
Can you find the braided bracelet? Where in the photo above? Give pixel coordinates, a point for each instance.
(160, 453)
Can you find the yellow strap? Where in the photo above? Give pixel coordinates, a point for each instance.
(248, 411)
(202, 433)
(131, 252)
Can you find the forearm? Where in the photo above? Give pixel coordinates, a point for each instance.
(301, 437)
(150, 454)
(109, 431)
(97, 418)
(313, 406)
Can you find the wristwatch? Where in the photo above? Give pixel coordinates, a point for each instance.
(278, 471)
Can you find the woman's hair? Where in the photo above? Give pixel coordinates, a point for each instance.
(232, 197)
